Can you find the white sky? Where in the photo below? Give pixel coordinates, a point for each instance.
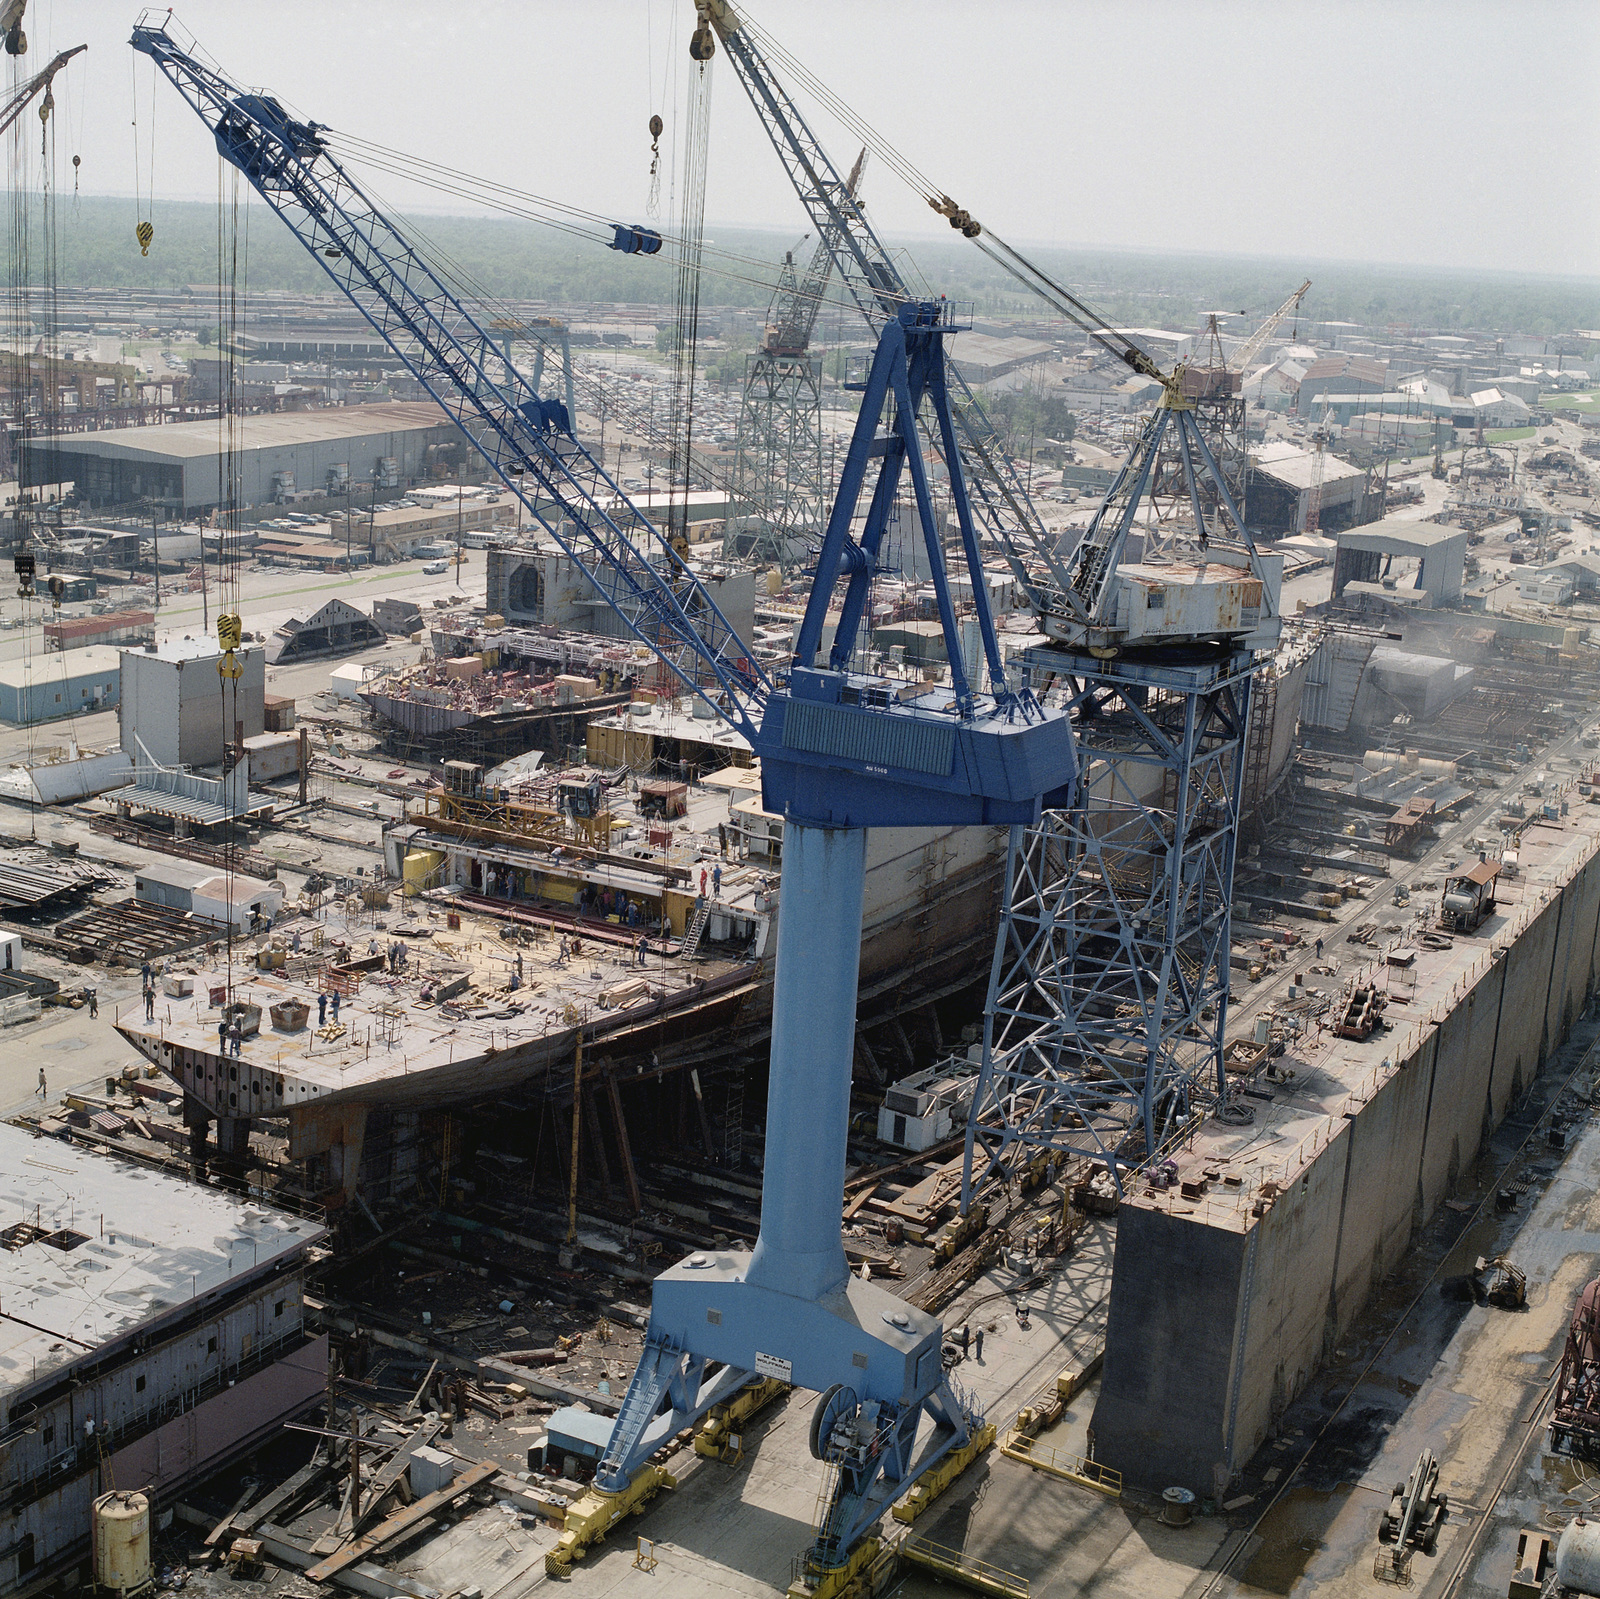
(1457, 134)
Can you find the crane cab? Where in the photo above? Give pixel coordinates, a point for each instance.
(1181, 601)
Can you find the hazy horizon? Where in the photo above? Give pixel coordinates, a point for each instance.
(1449, 136)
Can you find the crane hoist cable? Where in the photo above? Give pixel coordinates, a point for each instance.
(686, 330)
(591, 227)
(144, 176)
(232, 305)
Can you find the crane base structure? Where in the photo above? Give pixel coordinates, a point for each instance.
(841, 752)
(1108, 998)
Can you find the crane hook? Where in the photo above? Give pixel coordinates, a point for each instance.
(144, 233)
(702, 43)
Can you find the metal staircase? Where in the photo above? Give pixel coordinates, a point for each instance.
(693, 933)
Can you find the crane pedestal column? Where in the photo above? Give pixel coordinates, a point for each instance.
(800, 1249)
(791, 1310)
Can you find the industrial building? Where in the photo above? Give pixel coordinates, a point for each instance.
(1400, 555)
(113, 627)
(1281, 481)
(275, 458)
(59, 683)
(539, 584)
(154, 1330)
(336, 628)
(231, 900)
(174, 703)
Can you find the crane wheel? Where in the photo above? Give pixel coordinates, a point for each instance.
(1431, 1542)
(818, 1437)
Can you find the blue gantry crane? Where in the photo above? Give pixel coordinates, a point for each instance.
(841, 752)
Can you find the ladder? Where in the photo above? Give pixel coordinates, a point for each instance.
(733, 1121)
(696, 928)
(651, 1381)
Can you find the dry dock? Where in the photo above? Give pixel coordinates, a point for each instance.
(1232, 1286)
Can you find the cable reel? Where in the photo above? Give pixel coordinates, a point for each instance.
(839, 1403)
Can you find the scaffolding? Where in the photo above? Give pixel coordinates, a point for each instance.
(1108, 996)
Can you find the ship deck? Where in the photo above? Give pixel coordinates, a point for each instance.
(455, 1021)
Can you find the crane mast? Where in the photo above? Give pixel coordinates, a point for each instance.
(779, 498)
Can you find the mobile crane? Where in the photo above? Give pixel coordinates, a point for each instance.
(841, 751)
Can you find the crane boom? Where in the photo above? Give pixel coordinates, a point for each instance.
(41, 80)
(1253, 346)
(876, 284)
(798, 302)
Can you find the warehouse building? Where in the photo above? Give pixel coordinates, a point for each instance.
(1279, 489)
(196, 889)
(60, 683)
(154, 1331)
(276, 457)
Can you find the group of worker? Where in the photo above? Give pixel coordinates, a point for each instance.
(395, 954)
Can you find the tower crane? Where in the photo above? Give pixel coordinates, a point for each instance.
(1319, 472)
(1077, 597)
(840, 752)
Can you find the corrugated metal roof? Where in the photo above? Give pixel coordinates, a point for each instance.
(88, 626)
(190, 440)
(1295, 471)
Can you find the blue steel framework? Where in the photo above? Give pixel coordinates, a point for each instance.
(458, 361)
(1108, 997)
(840, 752)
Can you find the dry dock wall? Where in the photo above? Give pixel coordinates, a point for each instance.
(1220, 1316)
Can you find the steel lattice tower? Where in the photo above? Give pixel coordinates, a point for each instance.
(1108, 995)
(780, 500)
(1109, 991)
